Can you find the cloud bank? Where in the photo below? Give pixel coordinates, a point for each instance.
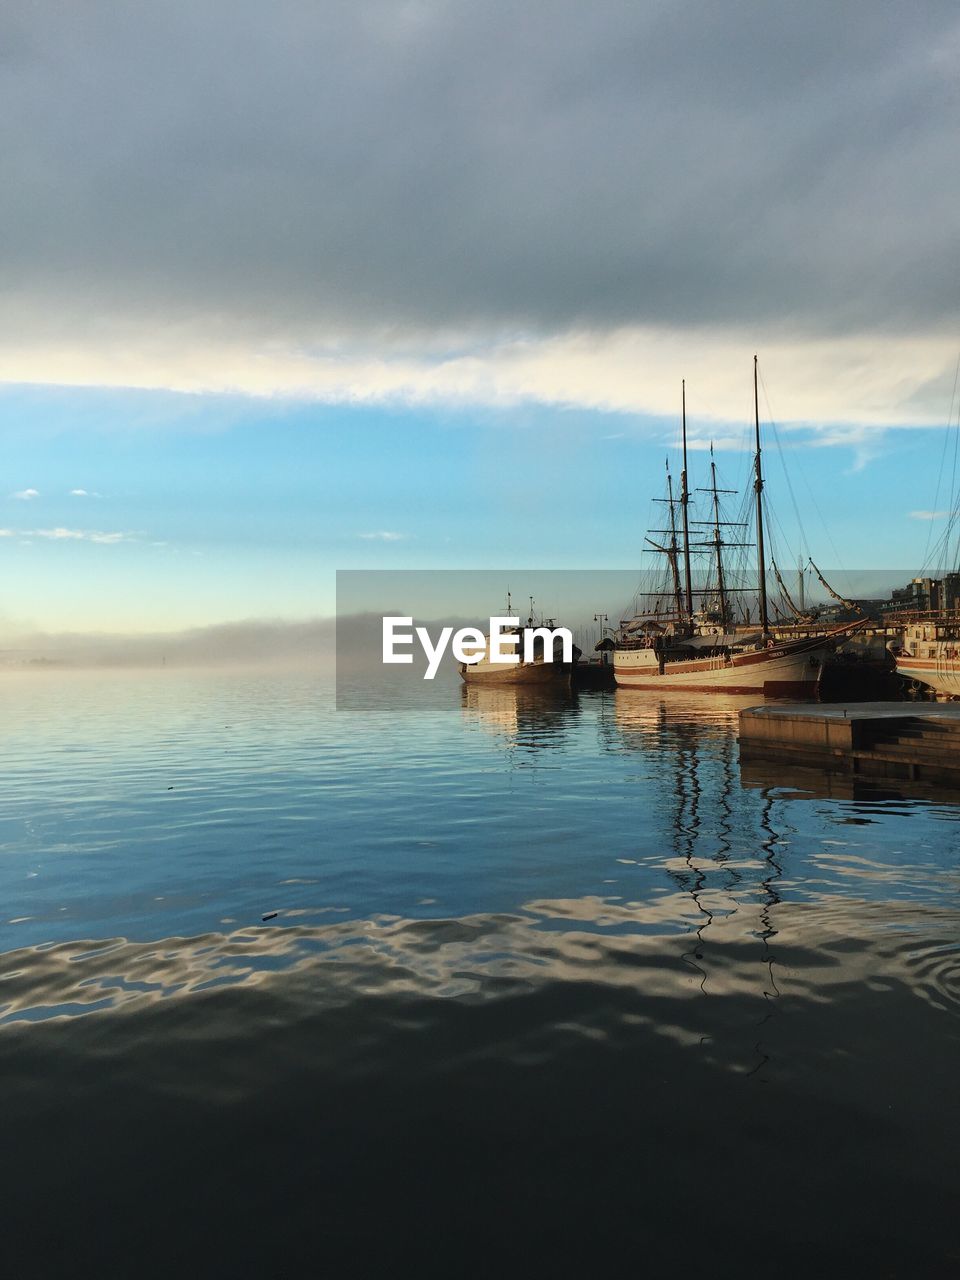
(431, 200)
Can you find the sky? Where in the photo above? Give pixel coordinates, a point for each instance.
(296, 287)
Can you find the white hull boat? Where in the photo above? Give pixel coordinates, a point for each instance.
(781, 670)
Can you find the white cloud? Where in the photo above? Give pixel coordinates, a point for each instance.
(80, 535)
(719, 443)
(26, 494)
(79, 493)
(70, 535)
(928, 515)
(865, 380)
(383, 536)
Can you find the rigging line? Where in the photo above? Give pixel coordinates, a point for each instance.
(943, 458)
(804, 547)
(739, 445)
(952, 518)
(850, 604)
(774, 525)
(774, 520)
(940, 555)
(803, 477)
(943, 550)
(942, 547)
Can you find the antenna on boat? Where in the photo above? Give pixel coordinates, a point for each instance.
(672, 549)
(717, 540)
(673, 545)
(684, 504)
(758, 489)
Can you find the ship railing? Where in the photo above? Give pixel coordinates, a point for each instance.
(897, 617)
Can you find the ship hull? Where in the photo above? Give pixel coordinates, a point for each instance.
(524, 673)
(771, 672)
(940, 674)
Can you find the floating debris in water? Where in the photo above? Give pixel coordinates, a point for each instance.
(271, 915)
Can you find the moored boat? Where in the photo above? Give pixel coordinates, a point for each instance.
(929, 653)
(547, 666)
(774, 669)
(707, 649)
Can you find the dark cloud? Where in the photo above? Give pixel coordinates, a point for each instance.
(301, 167)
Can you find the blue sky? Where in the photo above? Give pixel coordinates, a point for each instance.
(280, 280)
(233, 507)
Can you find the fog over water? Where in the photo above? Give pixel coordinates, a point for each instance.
(254, 642)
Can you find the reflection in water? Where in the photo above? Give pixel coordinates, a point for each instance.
(695, 738)
(769, 900)
(683, 868)
(535, 719)
(503, 1075)
(805, 781)
(493, 958)
(713, 715)
(539, 965)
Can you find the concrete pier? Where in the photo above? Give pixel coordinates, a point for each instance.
(906, 741)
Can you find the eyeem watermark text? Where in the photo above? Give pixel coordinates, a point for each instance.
(504, 644)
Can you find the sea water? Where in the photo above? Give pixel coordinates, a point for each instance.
(467, 980)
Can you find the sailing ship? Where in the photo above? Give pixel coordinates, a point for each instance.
(705, 649)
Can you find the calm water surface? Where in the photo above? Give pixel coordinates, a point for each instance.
(546, 982)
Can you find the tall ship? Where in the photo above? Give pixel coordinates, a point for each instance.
(708, 639)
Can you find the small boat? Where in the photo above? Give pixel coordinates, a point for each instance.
(541, 670)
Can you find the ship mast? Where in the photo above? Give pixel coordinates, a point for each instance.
(673, 547)
(758, 489)
(684, 504)
(717, 540)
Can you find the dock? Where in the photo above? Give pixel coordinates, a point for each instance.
(910, 742)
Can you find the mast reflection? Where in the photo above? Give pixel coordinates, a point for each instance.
(725, 853)
(767, 931)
